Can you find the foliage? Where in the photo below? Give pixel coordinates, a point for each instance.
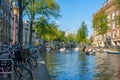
(100, 22)
(82, 33)
(71, 37)
(46, 8)
(49, 8)
(117, 18)
(48, 31)
(89, 41)
(22, 5)
(117, 3)
(61, 36)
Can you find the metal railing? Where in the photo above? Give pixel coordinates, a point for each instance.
(7, 69)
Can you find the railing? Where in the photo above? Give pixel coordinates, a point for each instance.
(6, 70)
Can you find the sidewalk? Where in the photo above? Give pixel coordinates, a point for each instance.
(41, 72)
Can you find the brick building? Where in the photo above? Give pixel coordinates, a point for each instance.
(6, 20)
(113, 34)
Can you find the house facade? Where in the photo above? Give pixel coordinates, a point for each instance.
(6, 20)
(113, 34)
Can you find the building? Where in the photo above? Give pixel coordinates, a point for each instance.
(26, 34)
(67, 33)
(113, 34)
(6, 20)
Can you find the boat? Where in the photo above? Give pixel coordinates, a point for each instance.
(62, 49)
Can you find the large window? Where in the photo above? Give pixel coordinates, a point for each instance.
(113, 25)
(108, 18)
(1, 13)
(114, 34)
(113, 15)
(117, 13)
(0, 2)
(1, 25)
(118, 32)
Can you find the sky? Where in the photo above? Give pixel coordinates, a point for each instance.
(73, 12)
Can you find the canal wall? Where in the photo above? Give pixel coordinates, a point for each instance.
(41, 72)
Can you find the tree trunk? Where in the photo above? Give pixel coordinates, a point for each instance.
(30, 37)
(20, 28)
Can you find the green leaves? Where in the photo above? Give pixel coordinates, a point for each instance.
(100, 22)
(48, 31)
(117, 18)
(49, 8)
(117, 3)
(44, 8)
(82, 33)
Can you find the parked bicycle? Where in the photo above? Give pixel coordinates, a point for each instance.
(20, 72)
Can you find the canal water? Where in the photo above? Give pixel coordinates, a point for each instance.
(75, 65)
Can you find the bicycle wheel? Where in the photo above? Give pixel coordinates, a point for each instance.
(26, 64)
(33, 62)
(22, 73)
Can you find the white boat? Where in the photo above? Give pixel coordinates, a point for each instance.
(116, 52)
(62, 49)
(77, 49)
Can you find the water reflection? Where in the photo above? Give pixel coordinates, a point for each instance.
(73, 65)
(108, 66)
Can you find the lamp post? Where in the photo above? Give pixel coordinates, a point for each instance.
(15, 14)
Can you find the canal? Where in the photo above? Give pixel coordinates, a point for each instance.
(75, 65)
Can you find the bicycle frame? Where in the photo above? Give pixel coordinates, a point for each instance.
(5, 69)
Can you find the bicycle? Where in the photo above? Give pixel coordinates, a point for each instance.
(20, 72)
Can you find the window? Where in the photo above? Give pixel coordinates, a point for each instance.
(114, 34)
(117, 13)
(113, 15)
(1, 25)
(108, 34)
(108, 18)
(1, 13)
(113, 25)
(4, 15)
(108, 25)
(104, 35)
(117, 32)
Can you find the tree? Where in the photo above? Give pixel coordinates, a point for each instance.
(49, 8)
(22, 5)
(82, 33)
(31, 11)
(61, 36)
(44, 8)
(100, 22)
(117, 5)
(48, 31)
